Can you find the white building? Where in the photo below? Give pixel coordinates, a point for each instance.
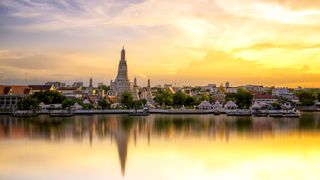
(264, 99)
(283, 92)
(231, 90)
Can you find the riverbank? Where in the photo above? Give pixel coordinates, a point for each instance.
(237, 112)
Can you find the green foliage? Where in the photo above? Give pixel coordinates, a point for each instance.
(105, 88)
(242, 98)
(104, 104)
(28, 103)
(67, 103)
(276, 105)
(307, 97)
(164, 97)
(137, 104)
(49, 97)
(190, 101)
(127, 99)
(205, 97)
(144, 101)
(179, 98)
(196, 89)
(221, 89)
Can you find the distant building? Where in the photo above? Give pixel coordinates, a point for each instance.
(254, 88)
(90, 87)
(283, 92)
(264, 99)
(166, 86)
(219, 96)
(38, 88)
(212, 88)
(77, 84)
(232, 90)
(56, 84)
(227, 84)
(146, 93)
(71, 92)
(100, 84)
(10, 95)
(187, 90)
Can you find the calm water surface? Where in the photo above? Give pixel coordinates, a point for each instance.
(160, 147)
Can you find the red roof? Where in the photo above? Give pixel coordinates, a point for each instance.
(68, 89)
(14, 89)
(40, 87)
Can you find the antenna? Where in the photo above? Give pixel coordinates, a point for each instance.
(26, 78)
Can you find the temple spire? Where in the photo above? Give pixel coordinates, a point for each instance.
(123, 54)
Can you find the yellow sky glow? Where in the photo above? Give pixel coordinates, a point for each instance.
(265, 42)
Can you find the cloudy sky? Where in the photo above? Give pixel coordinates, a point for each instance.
(269, 42)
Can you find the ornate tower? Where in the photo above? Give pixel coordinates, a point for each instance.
(149, 93)
(122, 68)
(135, 93)
(122, 83)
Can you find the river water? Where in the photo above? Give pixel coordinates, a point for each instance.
(160, 147)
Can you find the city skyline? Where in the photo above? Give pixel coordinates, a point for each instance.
(264, 42)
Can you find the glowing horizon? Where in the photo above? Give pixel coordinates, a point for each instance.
(263, 42)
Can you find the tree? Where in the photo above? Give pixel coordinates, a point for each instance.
(127, 99)
(190, 101)
(307, 97)
(104, 104)
(49, 97)
(222, 89)
(276, 105)
(105, 88)
(144, 101)
(28, 103)
(179, 98)
(242, 98)
(67, 103)
(205, 97)
(137, 104)
(164, 97)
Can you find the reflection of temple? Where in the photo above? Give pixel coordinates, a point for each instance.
(121, 128)
(122, 139)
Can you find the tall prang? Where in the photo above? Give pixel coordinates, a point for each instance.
(123, 68)
(122, 83)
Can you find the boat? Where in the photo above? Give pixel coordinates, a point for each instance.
(231, 113)
(293, 113)
(61, 113)
(276, 113)
(239, 113)
(138, 114)
(216, 112)
(144, 112)
(260, 113)
(24, 113)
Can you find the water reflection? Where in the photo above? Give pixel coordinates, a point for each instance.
(122, 129)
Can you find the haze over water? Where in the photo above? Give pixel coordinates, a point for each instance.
(160, 147)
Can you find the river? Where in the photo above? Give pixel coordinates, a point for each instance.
(159, 147)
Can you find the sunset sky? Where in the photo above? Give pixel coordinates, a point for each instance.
(187, 42)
